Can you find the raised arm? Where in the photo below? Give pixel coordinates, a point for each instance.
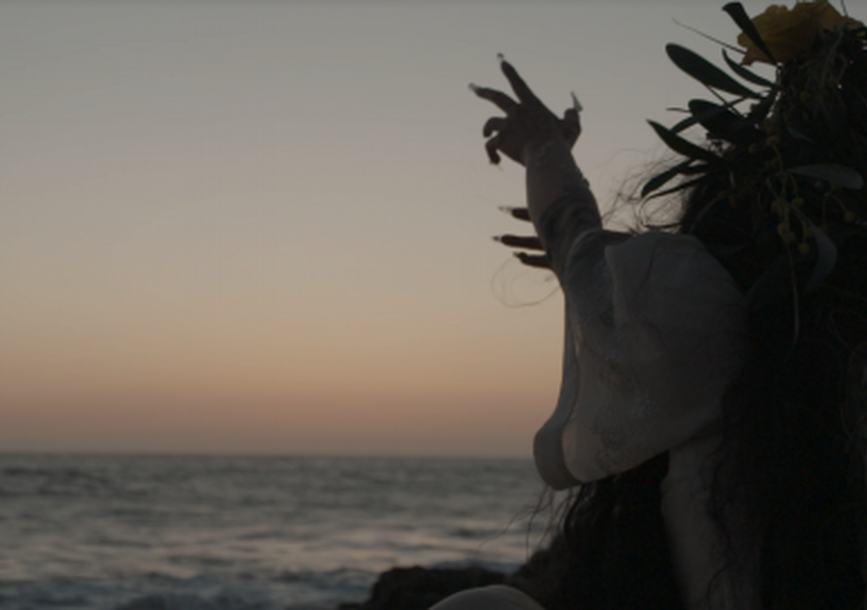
(560, 202)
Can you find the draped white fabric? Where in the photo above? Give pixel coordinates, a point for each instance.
(658, 328)
(655, 332)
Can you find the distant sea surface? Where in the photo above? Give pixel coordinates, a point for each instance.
(244, 533)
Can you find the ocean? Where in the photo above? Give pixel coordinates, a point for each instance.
(243, 533)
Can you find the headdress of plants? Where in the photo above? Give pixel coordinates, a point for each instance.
(779, 187)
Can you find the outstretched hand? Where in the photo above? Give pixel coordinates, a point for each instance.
(528, 126)
(529, 242)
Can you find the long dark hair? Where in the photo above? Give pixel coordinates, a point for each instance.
(789, 493)
(609, 549)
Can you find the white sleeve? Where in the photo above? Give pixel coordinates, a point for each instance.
(655, 333)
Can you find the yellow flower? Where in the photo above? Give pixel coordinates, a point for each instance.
(790, 33)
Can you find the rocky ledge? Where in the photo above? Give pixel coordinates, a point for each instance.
(419, 588)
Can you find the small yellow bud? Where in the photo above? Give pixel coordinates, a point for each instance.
(849, 217)
(781, 206)
(798, 202)
(785, 232)
(804, 248)
(770, 126)
(772, 141)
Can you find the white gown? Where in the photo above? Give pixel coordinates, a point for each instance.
(655, 332)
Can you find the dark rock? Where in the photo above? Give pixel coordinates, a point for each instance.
(419, 588)
(539, 577)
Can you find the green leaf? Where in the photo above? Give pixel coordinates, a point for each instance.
(713, 117)
(684, 124)
(661, 179)
(694, 118)
(721, 43)
(704, 112)
(723, 124)
(826, 257)
(745, 74)
(831, 173)
(684, 147)
(760, 111)
(705, 72)
(736, 11)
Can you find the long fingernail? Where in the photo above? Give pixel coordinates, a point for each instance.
(576, 104)
(474, 87)
(497, 238)
(519, 213)
(501, 57)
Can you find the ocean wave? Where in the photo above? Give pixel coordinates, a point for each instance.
(224, 533)
(21, 480)
(170, 601)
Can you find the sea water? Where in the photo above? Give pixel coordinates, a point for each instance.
(238, 533)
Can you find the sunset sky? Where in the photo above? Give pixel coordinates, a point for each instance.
(264, 227)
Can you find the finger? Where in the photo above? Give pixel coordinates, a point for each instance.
(493, 124)
(570, 126)
(571, 123)
(491, 147)
(519, 213)
(534, 260)
(576, 105)
(518, 241)
(525, 95)
(502, 101)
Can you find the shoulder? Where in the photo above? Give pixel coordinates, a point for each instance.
(653, 268)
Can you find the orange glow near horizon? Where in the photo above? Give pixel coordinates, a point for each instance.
(266, 227)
